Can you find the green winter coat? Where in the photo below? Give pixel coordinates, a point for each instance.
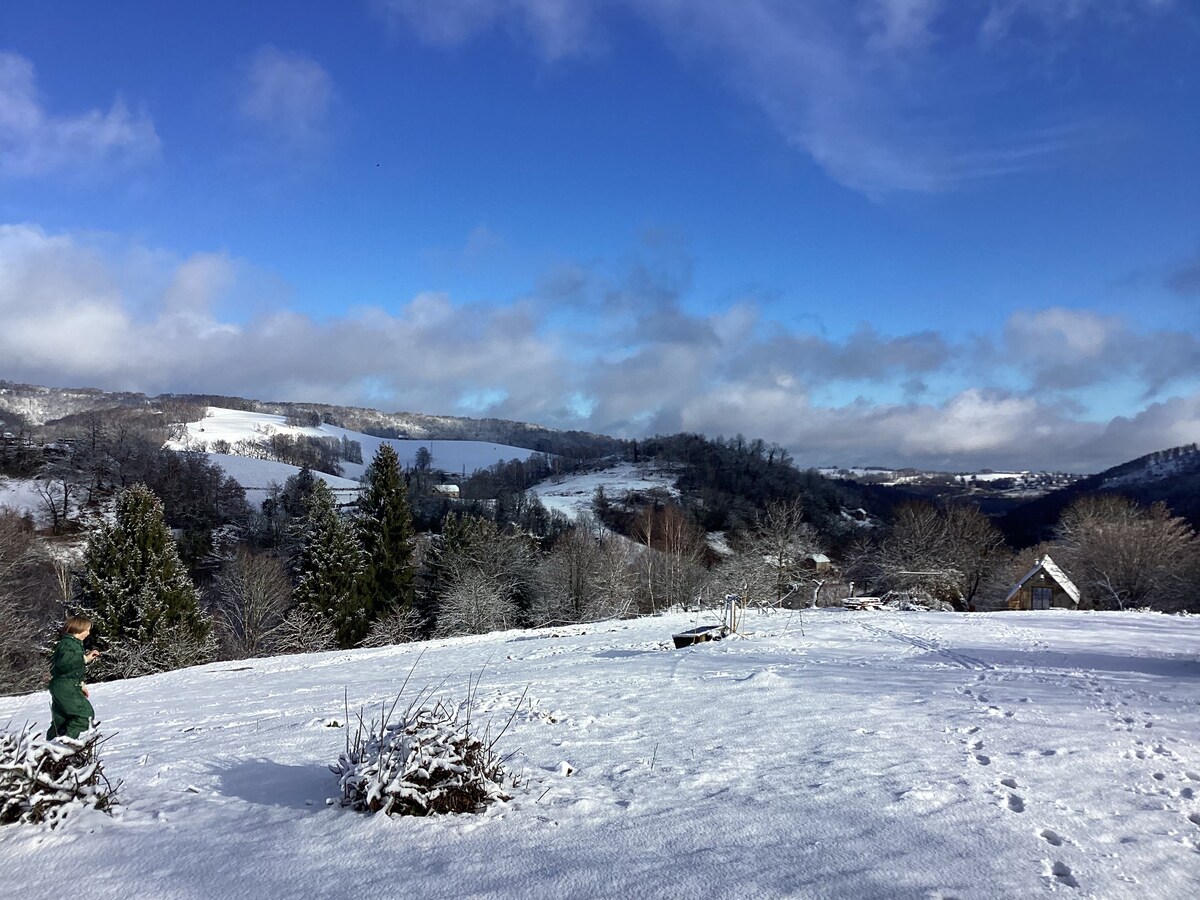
(71, 712)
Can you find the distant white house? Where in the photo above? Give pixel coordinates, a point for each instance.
(1043, 587)
(449, 491)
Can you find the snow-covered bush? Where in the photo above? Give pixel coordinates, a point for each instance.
(425, 762)
(398, 627)
(44, 780)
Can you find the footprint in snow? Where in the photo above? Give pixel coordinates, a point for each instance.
(1061, 873)
(1194, 818)
(1016, 803)
(983, 760)
(1009, 782)
(1050, 837)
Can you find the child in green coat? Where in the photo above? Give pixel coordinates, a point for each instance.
(70, 710)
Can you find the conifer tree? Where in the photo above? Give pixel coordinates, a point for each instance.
(385, 529)
(143, 602)
(329, 566)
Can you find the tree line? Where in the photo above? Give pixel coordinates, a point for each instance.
(179, 569)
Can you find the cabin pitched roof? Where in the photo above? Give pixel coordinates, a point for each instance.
(1047, 565)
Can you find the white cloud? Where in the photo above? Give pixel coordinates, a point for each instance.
(1063, 349)
(35, 142)
(288, 97)
(71, 318)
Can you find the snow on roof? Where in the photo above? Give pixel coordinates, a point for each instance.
(1047, 565)
(818, 557)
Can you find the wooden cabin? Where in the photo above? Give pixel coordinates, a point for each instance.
(1045, 586)
(817, 563)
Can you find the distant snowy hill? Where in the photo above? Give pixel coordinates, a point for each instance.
(1170, 476)
(865, 755)
(38, 405)
(233, 425)
(572, 495)
(1161, 466)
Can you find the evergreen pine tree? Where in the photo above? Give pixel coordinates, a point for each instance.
(329, 566)
(385, 529)
(143, 602)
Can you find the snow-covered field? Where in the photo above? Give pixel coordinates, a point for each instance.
(573, 494)
(21, 496)
(888, 755)
(451, 456)
(257, 476)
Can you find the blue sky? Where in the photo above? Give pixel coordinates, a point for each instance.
(952, 233)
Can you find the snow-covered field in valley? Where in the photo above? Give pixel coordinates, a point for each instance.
(888, 755)
(572, 495)
(460, 457)
(20, 495)
(258, 475)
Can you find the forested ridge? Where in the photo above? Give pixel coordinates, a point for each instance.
(163, 549)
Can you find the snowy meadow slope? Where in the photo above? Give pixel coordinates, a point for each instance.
(873, 755)
(233, 425)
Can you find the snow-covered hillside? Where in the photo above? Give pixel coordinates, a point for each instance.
(573, 494)
(233, 425)
(21, 496)
(1153, 467)
(889, 755)
(258, 475)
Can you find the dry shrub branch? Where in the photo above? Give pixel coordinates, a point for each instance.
(42, 781)
(423, 761)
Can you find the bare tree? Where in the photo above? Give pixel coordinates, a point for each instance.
(773, 554)
(175, 646)
(304, 631)
(585, 578)
(616, 580)
(977, 550)
(1122, 554)
(400, 626)
(255, 593)
(949, 555)
(57, 486)
(485, 571)
(26, 604)
(476, 603)
(567, 580)
(671, 566)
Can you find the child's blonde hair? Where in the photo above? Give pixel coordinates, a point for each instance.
(77, 625)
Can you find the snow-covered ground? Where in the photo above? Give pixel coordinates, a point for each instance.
(573, 494)
(889, 755)
(257, 476)
(21, 496)
(451, 456)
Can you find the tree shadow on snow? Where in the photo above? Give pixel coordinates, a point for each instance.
(1177, 665)
(269, 783)
(621, 654)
